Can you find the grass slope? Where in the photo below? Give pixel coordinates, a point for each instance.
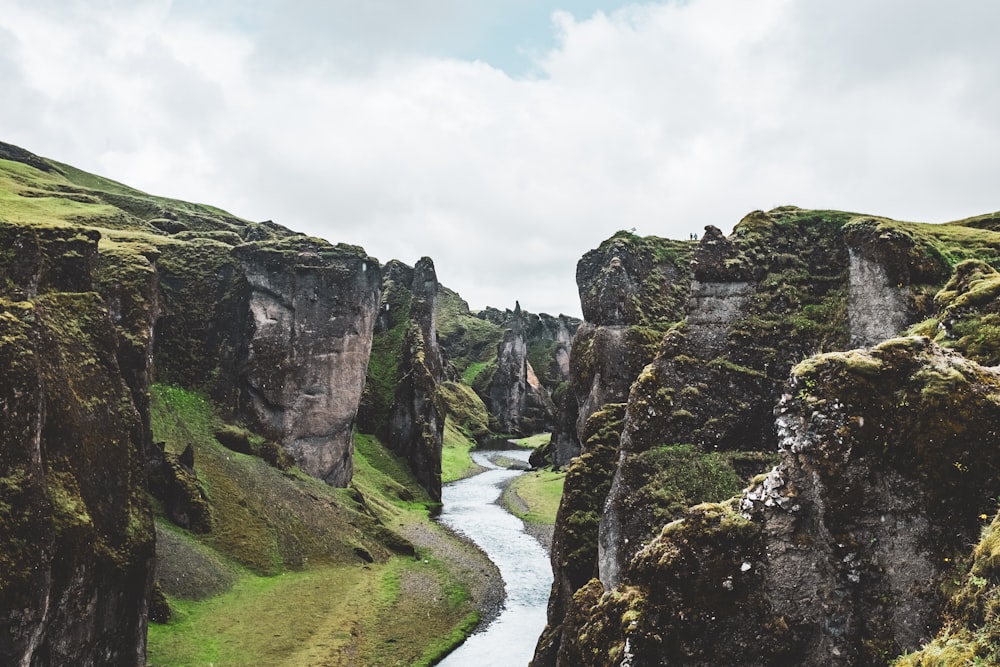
(297, 572)
(535, 496)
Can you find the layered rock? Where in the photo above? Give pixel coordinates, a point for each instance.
(312, 309)
(761, 300)
(78, 552)
(631, 290)
(839, 555)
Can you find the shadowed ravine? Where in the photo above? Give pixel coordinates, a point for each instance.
(470, 508)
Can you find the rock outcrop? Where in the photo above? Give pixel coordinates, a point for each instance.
(517, 398)
(889, 465)
(101, 289)
(632, 290)
(416, 421)
(312, 308)
(78, 531)
(785, 285)
(401, 402)
(774, 293)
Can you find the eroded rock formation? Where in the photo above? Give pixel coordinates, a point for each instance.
(889, 462)
(78, 531)
(416, 420)
(785, 285)
(312, 308)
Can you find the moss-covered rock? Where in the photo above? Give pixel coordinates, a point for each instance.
(574, 542)
(416, 421)
(691, 600)
(77, 560)
(839, 556)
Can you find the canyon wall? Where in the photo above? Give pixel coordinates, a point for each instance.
(78, 529)
(698, 421)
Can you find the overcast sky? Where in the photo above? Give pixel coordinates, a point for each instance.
(505, 138)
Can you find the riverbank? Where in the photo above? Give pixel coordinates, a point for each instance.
(295, 573)
(534, 498)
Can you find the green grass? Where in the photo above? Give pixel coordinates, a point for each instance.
(337, 615)
(473, 370)
(288, 583)
(456, 461)
(533, 441)
(539, 492)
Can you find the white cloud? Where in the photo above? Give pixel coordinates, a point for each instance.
(661, 116)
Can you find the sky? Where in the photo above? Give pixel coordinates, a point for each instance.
(506, 138)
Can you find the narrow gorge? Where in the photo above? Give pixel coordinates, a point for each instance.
(226, 442)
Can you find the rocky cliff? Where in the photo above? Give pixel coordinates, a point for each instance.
(632, 289)
(104, 288)
(78, 531)
(517, 398)
(305, 352)
(786, 284)
(839, 555)
(519, 376)
(416, 420)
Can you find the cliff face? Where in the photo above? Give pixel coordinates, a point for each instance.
(840, 554)
(529, 365)
(416, 421)
(517, 398)
(101, 288)
(778, 290)
(631, 289)
(312, 310)
(78, 550)
(785, 285)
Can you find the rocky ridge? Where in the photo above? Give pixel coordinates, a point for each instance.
(785, 285)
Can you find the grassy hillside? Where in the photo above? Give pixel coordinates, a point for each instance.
(295, 572)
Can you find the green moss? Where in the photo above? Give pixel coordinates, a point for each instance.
(197, 328)
(585, 488)
(68, 509)
(669, 479)
(465, 407)
(384, 361)
(468, 342)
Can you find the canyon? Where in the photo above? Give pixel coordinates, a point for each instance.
(779, 444)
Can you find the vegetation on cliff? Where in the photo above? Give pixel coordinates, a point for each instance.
(786, 284)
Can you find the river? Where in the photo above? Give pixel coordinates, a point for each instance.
(471, 508)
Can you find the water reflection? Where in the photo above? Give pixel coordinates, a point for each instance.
(470, 508)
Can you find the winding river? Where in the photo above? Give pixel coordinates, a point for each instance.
(471, 508)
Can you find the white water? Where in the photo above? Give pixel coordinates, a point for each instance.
(470, 508)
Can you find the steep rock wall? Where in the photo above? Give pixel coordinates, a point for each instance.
(716, 375)
(416, 422)
(780, 288)
(632, 289)
(837, 557)
(509, 386)
(78, 552)
(312, 309)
